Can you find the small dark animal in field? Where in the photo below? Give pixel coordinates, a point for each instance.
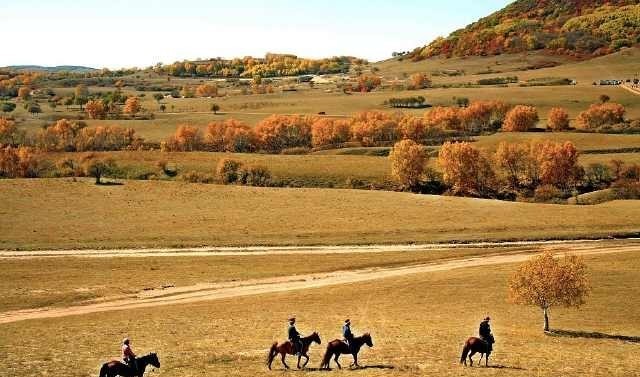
(339, 347)
(322, 113)
(472, 346)
(286, 348)
(116, 368)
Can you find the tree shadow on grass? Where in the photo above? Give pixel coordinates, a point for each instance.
(593, 335)
(110, 184)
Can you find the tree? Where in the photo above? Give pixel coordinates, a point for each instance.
(34, 109)
(408, 161)
(419, 81)
(207, 90)
(228, 170)
(558, 119)
(513, 160)
(467, 170)
(185, 139)
(96, 109)
(215, 108)
(8, 107)
(24, 93)
(158, 97)
(367, 83)
(163, 107)
(520, 119)
(98, 167)
(604, 98)
(8, 131)
(326, 131)
(545, 281)
(558, 164)
(230, 136)
(599, 115)
(132, 106)
(81, 91)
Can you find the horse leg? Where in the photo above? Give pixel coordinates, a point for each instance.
(470, 357)
(283, 355)
(481, 356)
(336, 360)
(486, 361)
(307, 360)
(299, 358)
(355, 360)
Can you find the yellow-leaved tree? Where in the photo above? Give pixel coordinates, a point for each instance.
(408, 161)
(545, 281)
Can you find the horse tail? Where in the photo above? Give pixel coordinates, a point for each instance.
(465, 352)
(103, 370)
(272, 354)
(326, 359)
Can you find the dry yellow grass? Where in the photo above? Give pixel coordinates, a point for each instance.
(47, 213)
(418, 324)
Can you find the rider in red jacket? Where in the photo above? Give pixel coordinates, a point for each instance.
(128, 356)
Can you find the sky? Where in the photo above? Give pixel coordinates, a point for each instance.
(139, 33)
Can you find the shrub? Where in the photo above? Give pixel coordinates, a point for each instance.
(254, 175)
(196, 177)
(558, 119)
(521, 118)
(367, 83)
(98, 167)
(228, 170)
(547, 193)
(95, 109)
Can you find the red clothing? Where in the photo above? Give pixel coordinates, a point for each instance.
(127, 353)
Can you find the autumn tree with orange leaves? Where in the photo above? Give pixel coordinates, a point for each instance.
(185, 139)
(419, 81)
(373, 127)
(279, 132)
(132, 106)
(19, 162)
(326, 131)
(558, 164)
(520, 119)
(558, 119)
(545, 281)
(207, 90)
(230, 136)
(9, 133)
(408, 161)
(513, 159)
(95, 109)
(599, 115)
(24, 92)
(466, 169)
(367, 83)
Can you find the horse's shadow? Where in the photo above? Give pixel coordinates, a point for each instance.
(364, 367)
(499, 366)
(593, 335)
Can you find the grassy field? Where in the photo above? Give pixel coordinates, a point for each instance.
(26, 283)
(418, 324)
(60, 213)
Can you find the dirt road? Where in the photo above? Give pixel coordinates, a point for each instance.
(206, 292)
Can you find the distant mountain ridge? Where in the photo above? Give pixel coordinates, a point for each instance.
(58, 68)
(581, 28)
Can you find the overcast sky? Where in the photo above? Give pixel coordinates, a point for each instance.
(119, 33)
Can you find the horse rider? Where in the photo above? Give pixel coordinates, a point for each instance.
(294, 336)
(485, 333)
(347, 334)
(128, 356)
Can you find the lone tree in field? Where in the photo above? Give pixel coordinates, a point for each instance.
(408, 160)
(132, 106)
(98, 167)
(545, 281)
(215, 108)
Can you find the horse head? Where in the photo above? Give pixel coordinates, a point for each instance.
(366, 338)
(316, 337)
(152, 358)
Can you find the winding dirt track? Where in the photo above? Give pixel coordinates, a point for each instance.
(206, 292)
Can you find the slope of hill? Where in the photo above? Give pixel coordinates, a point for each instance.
(58, 68)
(568, 27)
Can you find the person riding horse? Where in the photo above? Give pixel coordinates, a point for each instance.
(128, 356)
(485, 333)
(347, 334)
(294, 336)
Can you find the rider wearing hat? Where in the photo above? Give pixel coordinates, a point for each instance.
(294, 336)
(347, 334)
(128, 356)
(485, 333)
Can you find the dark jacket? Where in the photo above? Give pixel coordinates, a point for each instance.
(293, 333)
(485, 329)
(346, 332)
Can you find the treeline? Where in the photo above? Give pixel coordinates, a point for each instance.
(270, 66)
(540, 171)
(577, 28)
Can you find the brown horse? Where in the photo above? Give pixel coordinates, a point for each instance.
(116, 368)
(339, 347)
(475, 345)
(286, 348)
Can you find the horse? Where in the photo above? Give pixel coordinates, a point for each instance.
(475, 345)
(339, 347)
(117, 368)
(286, 348)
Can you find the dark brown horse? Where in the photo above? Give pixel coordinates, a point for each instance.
(475, 345)
(339, 347)
(116, 368)
(286, 348)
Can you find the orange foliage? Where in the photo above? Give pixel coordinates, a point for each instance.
(419, 81)
(557, 163)
(447, 118)
(207, 90)
(408, 161)
(132, 106)
(230, 136)
(279, 132)
(520, 119)
(367, 83)
(325, 131)
(8, 131)
(18, 162)
(24, 92)
(558, 119)
(95, 109)
(185, 139)
(513, 159)
(413, 128)
(372, 127)
(601, 114)
(106, 138)
(466, 170)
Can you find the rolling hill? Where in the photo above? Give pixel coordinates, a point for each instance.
(580, 28)
(58, 68)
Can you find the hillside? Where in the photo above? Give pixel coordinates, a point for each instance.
(580, 28)
(58, 68)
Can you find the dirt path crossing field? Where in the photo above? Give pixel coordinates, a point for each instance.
(206, 292)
